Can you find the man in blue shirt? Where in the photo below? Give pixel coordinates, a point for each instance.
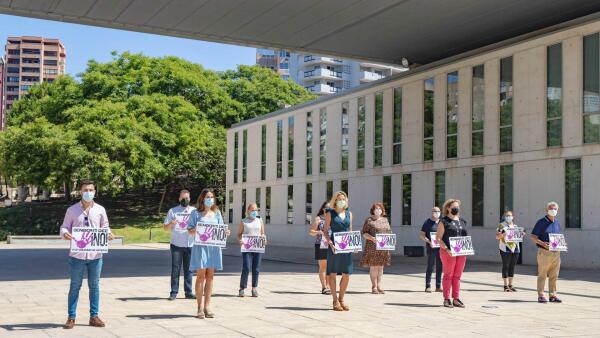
(181, 245)
(433, 253)
(548, 261)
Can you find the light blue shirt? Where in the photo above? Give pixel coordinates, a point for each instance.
(179, 232)
(198, 217)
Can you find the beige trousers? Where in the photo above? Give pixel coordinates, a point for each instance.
(548, 267)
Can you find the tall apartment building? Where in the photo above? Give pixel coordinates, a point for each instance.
(1, 93)
(320, 74)
(30, 60)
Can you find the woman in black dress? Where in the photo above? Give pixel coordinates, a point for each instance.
(316, 230)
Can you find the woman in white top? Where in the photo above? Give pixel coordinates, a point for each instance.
(509, 250)
(251, 225)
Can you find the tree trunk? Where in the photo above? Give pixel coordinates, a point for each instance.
(162, 199)
(67, 189)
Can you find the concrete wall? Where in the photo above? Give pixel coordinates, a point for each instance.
(538, 171)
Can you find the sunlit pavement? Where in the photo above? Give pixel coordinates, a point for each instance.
(135, 284)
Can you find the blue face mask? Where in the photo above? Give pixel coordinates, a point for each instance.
(253, 214)
(88, 196)
(209, 202)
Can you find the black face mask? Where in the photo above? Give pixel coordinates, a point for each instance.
(184, 202)
(454, 211)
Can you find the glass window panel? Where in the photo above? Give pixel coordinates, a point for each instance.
(290, 204)
(428, 95)
(573, 193)
(345, 137)
(506, 102)
(290, 146)
(477, 196)
(397, 131)
(279, 148)
(506, 188)
(309, 140)
(452, 114)
(322, 141)
(360, 160)
(378, 134)
(387, 196)
(406, 199)
(591, 88)
(440, 188)
(308, 217)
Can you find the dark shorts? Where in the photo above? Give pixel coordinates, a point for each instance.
(320, 254)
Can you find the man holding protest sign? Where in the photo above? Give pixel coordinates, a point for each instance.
(181, 245)
(455, 246)
(427, 235)
(252, 225)
(544, 235)
(86, 226)
(509, 235)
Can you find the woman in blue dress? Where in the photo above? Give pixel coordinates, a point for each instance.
(205, 259)
(338, 219)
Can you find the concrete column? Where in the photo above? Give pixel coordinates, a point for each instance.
(388, 126)
(590, 194)
(369, 129)
(412, 122)
(439, 117)
(492, 109)
(465, 77)
(316, 138)
(491, 195)
(271, 153)
(458, 185)
(229, 160)
(423, 186)
(334, 138)
(397, 199)
(279, 204)
(572, 56)
(352, 133)
(299, 203)
(253, 152)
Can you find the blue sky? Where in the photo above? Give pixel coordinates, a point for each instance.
(88, 42)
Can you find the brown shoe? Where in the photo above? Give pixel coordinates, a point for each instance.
(96, 322)
(69, 324)
(344, 306)
(337, 306)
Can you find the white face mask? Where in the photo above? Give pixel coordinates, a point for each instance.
(436, 214)
(508, 218)
(552, 212)
(377, 212)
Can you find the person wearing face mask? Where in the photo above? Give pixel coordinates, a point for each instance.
(181, 245)
(205, 259)
(86, 213)
(338, 219)
(316, 230)
(375, 259)
(451, 225)
(251, 225)
(509, 251)
(433, 254)
(548, 261)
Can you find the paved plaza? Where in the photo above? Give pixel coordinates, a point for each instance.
(135, 284)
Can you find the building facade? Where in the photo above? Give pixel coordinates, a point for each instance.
(30, 60)
(2, 118)
(322, 75)
(506, 128)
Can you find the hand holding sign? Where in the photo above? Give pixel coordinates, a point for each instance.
(347, 242)
(434, 242)
(461, 246)
(386, 242)
(557, 242)
(514, 235)
(253, 243)
(211, 234)
(90, 240)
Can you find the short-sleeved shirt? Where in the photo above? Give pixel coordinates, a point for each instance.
(545, 226)
(428, 227)
(77, 217)
(502, 244)
(179, 233)
(453, 228)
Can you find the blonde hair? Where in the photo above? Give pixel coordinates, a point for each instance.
(447, 204)
(552, 203)
(250, 206)
(335, 197)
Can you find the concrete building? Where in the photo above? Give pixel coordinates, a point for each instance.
(511, 126)
(320, 74)
(30, 60)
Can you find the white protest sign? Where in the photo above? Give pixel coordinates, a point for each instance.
(89, 240)
(557, 242)
(386, 242)
(347, 242)
(461, 246)
(513, 235)
(182, 221)
(211, 234)
(253, 243)
(434, 242)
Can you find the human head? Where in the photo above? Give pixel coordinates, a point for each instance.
(206, 194)
(435, 212)
(380, 206)
(508, 215)
(552, 208)
(251, 207)
(87, 189)
(340, 195)
(449, 204)
(324, 206)
(184, 197)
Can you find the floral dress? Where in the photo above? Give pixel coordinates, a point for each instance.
(371, 256)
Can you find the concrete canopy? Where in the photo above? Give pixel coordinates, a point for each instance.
(383, 31)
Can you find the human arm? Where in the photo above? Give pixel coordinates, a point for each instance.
(169, 221)
(536, 233)
(240, 232)
(439, 235)
(66, 227)
(424, 238)
(326, 229)
(104, 224)
(314, 227)
(191, 226)
(366, 231)
(500, 232)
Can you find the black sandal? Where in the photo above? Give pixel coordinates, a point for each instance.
(458, 303)
(506, 288)
(512, 289)
(325, 291)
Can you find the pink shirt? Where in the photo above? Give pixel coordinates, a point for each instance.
(75, 217)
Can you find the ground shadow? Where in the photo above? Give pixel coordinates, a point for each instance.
(295, 293)
(224, 295)
(27, 327)
(412, 305)
(155, 317)
(512, 301)
(295, 308)
(404, 291)
(140, 298)
(482, 290)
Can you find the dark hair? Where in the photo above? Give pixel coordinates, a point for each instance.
(184, 191)
(380, 206)
(200, 203)
(321, 212)
(86, 182)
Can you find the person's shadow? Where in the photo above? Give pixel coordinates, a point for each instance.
(28, 327)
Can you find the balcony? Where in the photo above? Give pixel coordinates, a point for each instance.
(312, 59)
(323, 89)
(366, 76)
(320, 73)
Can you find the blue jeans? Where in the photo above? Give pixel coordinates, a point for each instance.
(433, 258)
(77, 268)
(248, 258)
(181, 256)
